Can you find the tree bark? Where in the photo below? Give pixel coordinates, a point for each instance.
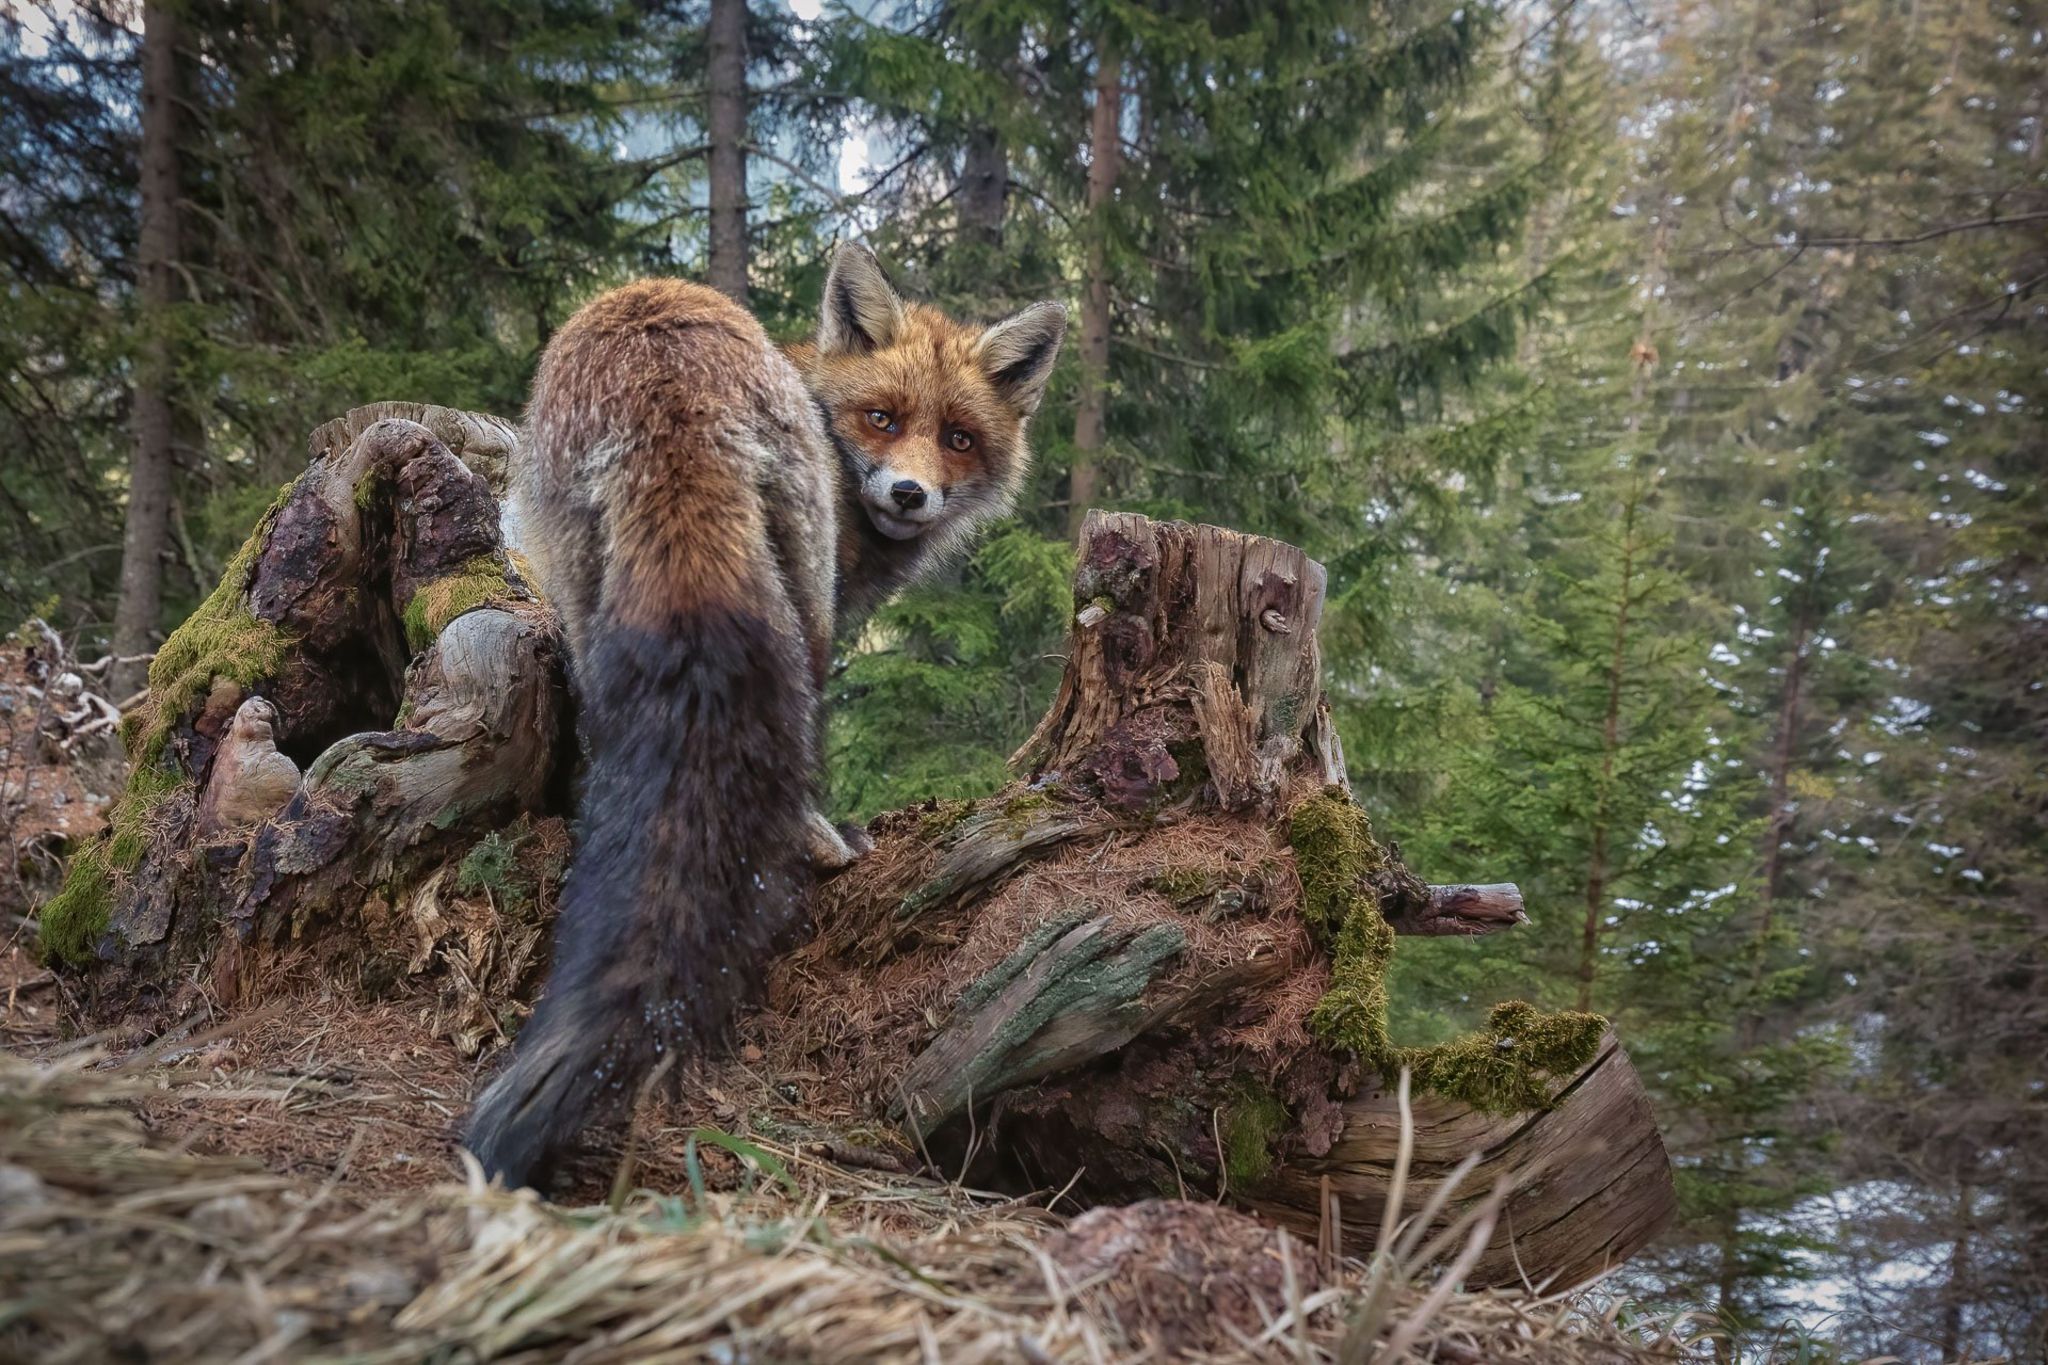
(1778, 828)
(726, 76)
(1101, 978)
(375, 635)
(983, 189)
(146, 531)
(1105, 160)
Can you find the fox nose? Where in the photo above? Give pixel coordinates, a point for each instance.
(908, 493)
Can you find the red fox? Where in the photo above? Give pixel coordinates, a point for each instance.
(705, 512)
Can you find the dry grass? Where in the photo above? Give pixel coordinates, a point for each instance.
(115, 1244)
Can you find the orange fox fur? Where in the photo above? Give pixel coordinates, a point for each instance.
(705, 512)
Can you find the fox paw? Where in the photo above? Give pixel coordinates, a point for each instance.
(831, 847)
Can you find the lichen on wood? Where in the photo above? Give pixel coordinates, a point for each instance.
(1074, 986)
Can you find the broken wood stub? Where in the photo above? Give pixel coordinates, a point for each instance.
(1591, 1178)
(1194, 671)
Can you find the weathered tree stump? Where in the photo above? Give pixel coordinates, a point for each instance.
(1189, 639)
(1151, 965)
(374, 633)
(1111, 977)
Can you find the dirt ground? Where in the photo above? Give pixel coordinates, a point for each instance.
(295, 1085)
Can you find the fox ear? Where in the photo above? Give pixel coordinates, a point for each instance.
(1017, 353)
(861, 311)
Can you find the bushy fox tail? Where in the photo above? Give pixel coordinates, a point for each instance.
(696, 705)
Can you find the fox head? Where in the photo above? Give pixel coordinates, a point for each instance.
(928, 414)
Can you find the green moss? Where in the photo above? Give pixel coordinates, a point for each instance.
(1020, 811)
(72, 921)
(943, 818)
(480, 581)
(1333, 851)
(1503, 1069)
(128, 824)
(1252, 1123)
(1183, 884)
(365, 491)
(220, 639)
(25, 632)
(1353, 1012)
(492, 863)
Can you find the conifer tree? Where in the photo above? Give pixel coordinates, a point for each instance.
(1282, 192)
(376, 202)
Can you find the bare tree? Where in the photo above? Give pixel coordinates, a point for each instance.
(727, 79)
(1105, 160)
(147, 531)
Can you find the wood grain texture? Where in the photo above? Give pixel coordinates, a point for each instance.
(412, 747)
(1189, 634)
(1593, 1183)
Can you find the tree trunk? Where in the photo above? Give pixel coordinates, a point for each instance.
(981, 195)
(1778, 828)
(984, 185)
(146, 532)
(1105, 160)
(726, 75)
(1110, 976)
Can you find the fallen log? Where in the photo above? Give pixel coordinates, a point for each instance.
(1154, 963)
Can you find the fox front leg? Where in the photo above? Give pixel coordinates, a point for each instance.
(831, 847)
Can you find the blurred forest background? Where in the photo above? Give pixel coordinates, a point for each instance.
(1661, 380)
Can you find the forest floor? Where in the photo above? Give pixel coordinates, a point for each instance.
(284, 1182)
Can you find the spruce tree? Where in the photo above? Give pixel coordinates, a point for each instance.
(1296, 260)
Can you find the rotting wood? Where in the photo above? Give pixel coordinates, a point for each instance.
(985, 848)
(416, 676)
(1100, 1051)
(1070, 993)
(1590, 1174)
(1189, 641)
(1051, 984)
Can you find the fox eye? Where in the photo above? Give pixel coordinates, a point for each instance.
(880, 420)
(959, 440)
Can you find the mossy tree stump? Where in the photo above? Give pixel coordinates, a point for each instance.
(1154, 964)
(372, 689)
